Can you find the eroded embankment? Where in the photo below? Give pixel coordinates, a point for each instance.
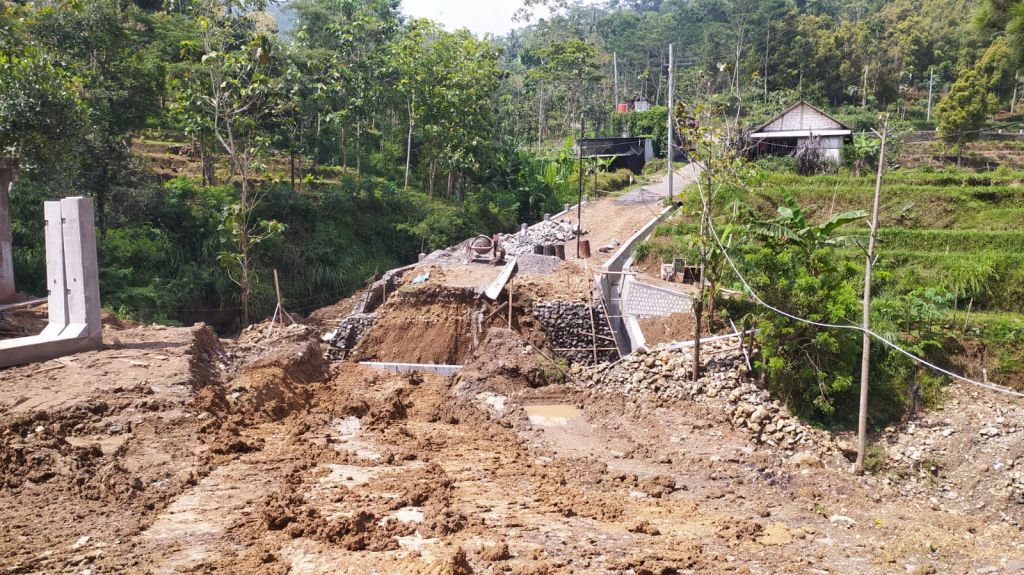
(430, 324)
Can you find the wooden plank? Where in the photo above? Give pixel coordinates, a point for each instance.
(494, 290)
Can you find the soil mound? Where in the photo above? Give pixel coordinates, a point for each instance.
(432, 325)
(504, 363)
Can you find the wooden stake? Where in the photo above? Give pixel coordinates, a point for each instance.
(510, 280)
(865, 361)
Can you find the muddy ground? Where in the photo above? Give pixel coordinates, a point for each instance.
(173, 452)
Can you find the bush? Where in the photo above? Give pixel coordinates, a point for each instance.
(874, 458)
(776, 164)
(614, 181)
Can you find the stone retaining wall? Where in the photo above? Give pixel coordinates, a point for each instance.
(570, 331)
(351, 329)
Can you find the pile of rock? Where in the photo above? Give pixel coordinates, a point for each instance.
(665, 372)
(540, 234)
(572, 331)
(968, 439)
(345, 338)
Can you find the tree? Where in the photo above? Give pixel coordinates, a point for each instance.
(721, 167)
(964, 110)
(231, 86)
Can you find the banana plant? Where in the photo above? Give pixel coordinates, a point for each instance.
(791, 227)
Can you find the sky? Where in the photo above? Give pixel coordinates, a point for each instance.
(480, 16)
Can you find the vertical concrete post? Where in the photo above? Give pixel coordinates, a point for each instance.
(8, 174)
(56, 283)
(82, 267)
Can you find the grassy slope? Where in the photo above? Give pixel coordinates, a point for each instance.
(952, 230)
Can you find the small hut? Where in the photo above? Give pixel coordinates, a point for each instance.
(802, 124)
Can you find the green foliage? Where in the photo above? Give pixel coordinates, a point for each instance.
(614, 181)
(811, 368)
(792, 228)
(964, 109)
(861, 154)
(653, 124)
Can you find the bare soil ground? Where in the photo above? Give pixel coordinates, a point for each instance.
(676, 327)
(171, 451)
(257, 457)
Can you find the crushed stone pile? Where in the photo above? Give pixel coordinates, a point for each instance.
(665, 372)
(543, 233)
(969, 438)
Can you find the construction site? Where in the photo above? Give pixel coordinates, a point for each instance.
(505, 407)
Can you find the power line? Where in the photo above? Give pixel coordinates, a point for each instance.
(886, 342)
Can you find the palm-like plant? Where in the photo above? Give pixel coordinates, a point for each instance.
(791, 227)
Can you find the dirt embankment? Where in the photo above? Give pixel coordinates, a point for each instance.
(423, 325)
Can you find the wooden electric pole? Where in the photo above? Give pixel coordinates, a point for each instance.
(671, 130)
(865, 360)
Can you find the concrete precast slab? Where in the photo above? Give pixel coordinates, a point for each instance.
(610, 282)
(444, 370)
(494, 290)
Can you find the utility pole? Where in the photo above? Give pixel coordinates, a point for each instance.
(767, 48)
(671, 130)
(579, 201)
(615, 94)
(865, 360)
(931, 81)
(615, 73)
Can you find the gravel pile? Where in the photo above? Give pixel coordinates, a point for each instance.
(543, 233)
(665, 373)
(991, 441)
(536, 264)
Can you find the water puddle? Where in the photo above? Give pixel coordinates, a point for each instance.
(553, 415)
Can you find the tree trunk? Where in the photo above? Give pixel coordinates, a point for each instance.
(344, 150)
(359, 163)
(433, 168)
(450, 184)
(408, 143)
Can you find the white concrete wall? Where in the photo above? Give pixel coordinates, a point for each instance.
(73, 282)
(831, 146)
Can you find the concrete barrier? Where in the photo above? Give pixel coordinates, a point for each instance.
(610, 281)
(445, 370)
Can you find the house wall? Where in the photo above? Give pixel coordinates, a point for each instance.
(831, 146)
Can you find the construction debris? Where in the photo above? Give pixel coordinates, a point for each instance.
(666, 373)
(541, 234)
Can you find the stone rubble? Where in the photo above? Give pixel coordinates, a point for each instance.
(543, 233)
(989, 436)
(665, 373)
(344, 339)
